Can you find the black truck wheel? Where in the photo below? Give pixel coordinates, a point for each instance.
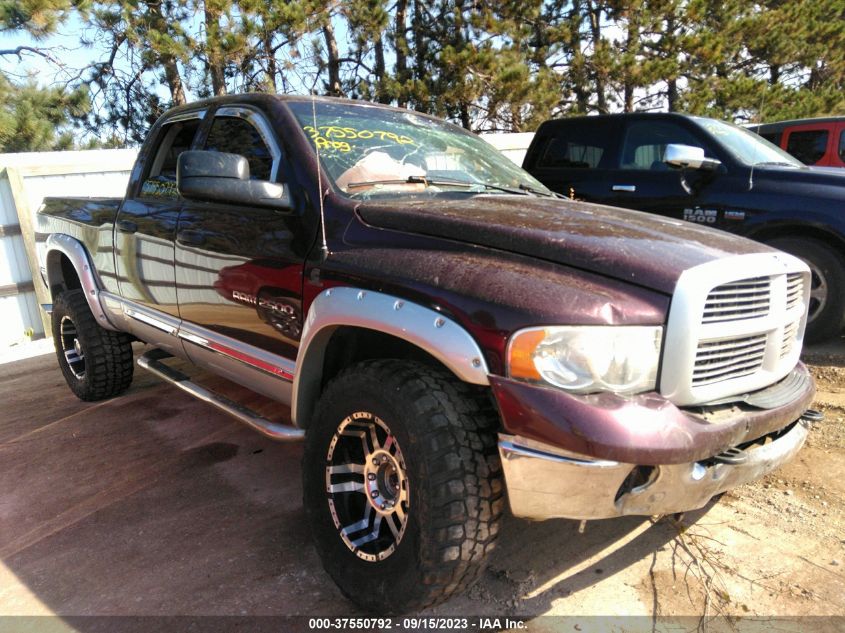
(96, 363)
(402, 484)
(827, 290)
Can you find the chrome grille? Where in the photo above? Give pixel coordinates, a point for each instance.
(745, 299)
(727, 359)
(735, 326)
(794, 290)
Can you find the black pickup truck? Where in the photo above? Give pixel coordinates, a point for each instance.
(708, 172)
(445, 330)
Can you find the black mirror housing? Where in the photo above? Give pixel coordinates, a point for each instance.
(221, 177)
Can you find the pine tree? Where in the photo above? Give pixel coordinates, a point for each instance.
(34, 119)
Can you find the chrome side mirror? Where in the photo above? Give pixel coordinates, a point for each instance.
(688, 157)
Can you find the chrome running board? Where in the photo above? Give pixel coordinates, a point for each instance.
(151, 361)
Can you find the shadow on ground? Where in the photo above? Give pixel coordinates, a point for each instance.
(156, 504)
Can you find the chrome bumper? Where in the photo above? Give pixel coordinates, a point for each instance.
(545, 482)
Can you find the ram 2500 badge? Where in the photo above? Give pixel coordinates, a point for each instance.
(446, 331)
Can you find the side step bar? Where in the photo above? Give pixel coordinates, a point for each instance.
(151, 361)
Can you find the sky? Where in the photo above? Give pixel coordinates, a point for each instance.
(66, 47)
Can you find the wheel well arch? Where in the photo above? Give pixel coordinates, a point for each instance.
(348, 345)
(68, 267)
(768, 233)
(61, 274)
(346, 325)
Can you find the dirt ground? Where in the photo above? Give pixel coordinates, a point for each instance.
(155, 504)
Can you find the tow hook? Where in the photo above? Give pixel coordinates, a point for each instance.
(810, 417)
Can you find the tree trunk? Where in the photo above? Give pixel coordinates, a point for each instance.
(418, 29)
(672, 82)
(168, 62)
(672, 94)
(400, 43)
(582, 96)
(465, 122)
(594, 10)
(272, 68)
(174, 80)
(381, 93)
(632, 46)
(333, 63)
(214, 61)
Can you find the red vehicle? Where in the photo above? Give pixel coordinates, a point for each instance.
(819, 142)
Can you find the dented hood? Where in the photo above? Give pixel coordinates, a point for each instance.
(641, 248)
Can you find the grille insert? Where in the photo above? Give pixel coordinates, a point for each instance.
(738, 300)
(727, 359)
(790, 335)
(794, 290)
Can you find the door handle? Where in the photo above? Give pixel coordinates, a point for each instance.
(628, 188)
(190, 237)
(126, 226)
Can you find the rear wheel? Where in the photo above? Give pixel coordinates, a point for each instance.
(402, 484)
(96, 363)
(827, 288)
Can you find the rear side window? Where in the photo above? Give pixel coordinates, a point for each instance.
(238, 136)
(808, 146)
(175, 138)
(575, 148)
(646, 141)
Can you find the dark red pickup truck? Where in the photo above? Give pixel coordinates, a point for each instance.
(446, 331)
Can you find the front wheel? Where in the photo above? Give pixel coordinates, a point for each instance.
(827, 285)
(402, 484)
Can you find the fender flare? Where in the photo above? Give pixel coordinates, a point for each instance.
(427, 329)
(77, 254)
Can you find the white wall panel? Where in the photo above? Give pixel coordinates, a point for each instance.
(97, 173)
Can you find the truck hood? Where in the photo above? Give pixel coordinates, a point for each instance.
(834, 176)
(632, 246)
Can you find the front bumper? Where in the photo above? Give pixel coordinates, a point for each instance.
(603, 455)
(545, 482)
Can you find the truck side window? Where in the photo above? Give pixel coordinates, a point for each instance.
(233, 135)
(574, 148)
(646, 141)
(808, 146)
(175, 139)
(772, 137)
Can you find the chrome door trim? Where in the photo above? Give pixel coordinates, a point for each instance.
(248, 355)
(144, 316)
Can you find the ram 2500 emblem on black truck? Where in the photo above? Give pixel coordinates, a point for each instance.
(707, 172)
(446, 331)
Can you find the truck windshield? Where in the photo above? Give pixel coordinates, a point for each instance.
(371, 151)
(746, 146)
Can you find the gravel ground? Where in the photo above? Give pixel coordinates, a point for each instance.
(154, 504)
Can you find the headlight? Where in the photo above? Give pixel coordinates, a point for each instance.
(587, 359)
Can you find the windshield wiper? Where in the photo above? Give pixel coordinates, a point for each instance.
(523, 189)
(536, 192)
